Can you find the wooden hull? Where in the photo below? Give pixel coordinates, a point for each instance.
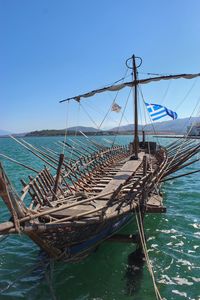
(80, 250)
(75, 241)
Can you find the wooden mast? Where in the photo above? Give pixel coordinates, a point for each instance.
(135, 144)
(136, 140)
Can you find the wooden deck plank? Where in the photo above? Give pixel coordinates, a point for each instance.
(122, 176)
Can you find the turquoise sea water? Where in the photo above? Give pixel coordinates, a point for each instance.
(173, 240)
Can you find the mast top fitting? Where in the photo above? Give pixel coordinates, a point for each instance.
(131, 59)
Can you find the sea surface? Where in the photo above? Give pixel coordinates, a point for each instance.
(173, 241)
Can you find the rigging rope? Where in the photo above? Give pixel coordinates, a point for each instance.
(166, 92)
(110, 108)
(187, 134)
(67, 119)
(122, 79)
(72, 151)
(121, 118)
(145, 250)
(140, 90)
(98, 110)
(155, 74)
(91, 119)
(187, 94)
(49, 277)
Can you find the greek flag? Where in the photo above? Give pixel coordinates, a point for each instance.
(157, 111)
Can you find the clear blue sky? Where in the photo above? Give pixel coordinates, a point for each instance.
(52, 49)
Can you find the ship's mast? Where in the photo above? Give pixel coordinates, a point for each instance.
(135, 102)
(135, 94)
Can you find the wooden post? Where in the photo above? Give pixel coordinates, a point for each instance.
(61, 159)
(144, 190)
(11, 199)
(143, 137)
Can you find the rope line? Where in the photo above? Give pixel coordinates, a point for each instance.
(145, 250)
(151, 122)
(114, 100)
(121, 118)
(166, 92)
(187, 134)
(78, 114)
(91, 119)
(187, 94)
(66, 128)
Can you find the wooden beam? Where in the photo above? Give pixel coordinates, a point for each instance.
(124, 238)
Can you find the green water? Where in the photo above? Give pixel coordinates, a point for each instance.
(173, 240)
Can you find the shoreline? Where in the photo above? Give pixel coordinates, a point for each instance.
(177, 136)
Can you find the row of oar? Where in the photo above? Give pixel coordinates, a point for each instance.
(90, 159)
(179, 152)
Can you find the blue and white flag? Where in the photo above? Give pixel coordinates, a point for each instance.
(157, 111)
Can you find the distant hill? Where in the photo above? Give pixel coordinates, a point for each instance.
(178, 126)
(70, 131)
(7, 134)
(83, 129)
(4, 132)
(46, 132)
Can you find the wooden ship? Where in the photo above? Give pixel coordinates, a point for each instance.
(91, 197)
